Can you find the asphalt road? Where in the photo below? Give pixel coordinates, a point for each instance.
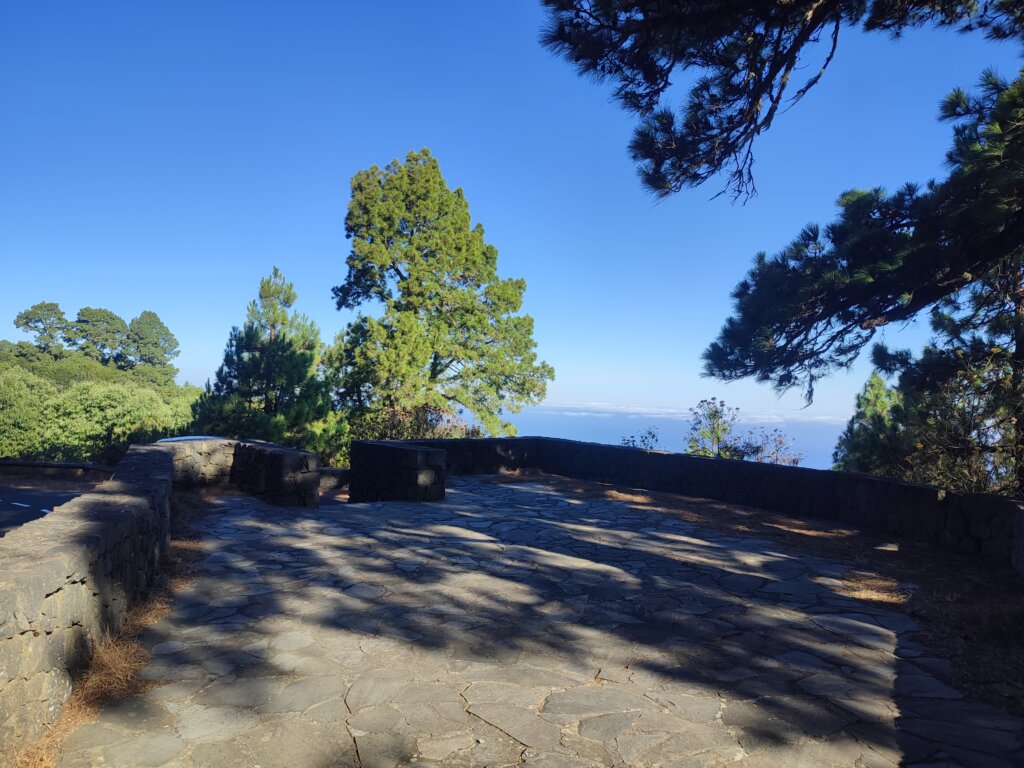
(20, 505)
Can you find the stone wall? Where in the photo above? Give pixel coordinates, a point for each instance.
(394, 470)
(333, 479)
(277, 474)
(989, 527)
(62, 470)
(69, 577)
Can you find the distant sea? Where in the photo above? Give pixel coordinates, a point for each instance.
(814, 439)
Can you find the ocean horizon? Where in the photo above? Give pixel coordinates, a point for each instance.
(815, 440)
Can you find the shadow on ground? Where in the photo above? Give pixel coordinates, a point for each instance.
(511, 625)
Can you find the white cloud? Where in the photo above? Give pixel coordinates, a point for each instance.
(606, 410)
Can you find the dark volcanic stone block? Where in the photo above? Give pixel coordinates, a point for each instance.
(385, 470)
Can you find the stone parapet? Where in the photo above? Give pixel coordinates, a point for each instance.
(280, 475)
(283, 476)
(69, 577)
(56, 469)
(393, 470)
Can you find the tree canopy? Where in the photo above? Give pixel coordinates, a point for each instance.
(47, 322)
(747, 62)
(90, 400)
(952, 419)
(866, 445)
(99, 333)
(267, 387)
(812, 308)
(150, 342)
(450, 336)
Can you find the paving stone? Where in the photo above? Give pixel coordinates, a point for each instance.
(421, 692)
(144, 751)
(859, 629)
(522, 724)
(365, 591)
(631, 746)
(294, 742)
(696, 709)
(291, 641)
(201, 725)
(374, 719)
(303, 694)
(505, 693)
(494, 747)
(372, 689)
(243, 692)
(438, 718)
(384, 750)
(607, 727)
(580, 702)
(990, 740)
(92, 735)
(223, 754)
(533, 759)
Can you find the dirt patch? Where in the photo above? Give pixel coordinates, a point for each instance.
(118, 659)
(971, 613)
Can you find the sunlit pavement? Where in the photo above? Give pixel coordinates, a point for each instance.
(509, 625)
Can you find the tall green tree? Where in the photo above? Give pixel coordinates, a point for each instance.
(99, 333)
(149, 342)
(868, 444)
(952, 418)
(450, 336)
(267, 387)
(46, 321)
(746, 62)
(954, 248)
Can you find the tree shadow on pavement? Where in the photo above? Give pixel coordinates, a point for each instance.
(513, 624)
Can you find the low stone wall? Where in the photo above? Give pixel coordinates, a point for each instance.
(280, 475)
(15, 467)
(68, 578)
(989, 527)
(394, 470)
(333, 478)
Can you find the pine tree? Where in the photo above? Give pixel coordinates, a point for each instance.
(47, 322)
(450, 336)
(150, 342)
(267, 386)
(748, 62)
(99, 333)
(866, 445)
(952, 249)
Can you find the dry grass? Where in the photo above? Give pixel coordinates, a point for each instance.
(117, 660)
(971, 613)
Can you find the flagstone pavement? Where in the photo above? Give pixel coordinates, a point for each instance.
(510, 625)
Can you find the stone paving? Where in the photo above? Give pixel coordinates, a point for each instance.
(510, 626)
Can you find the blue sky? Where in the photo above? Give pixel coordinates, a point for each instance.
(166, 155)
